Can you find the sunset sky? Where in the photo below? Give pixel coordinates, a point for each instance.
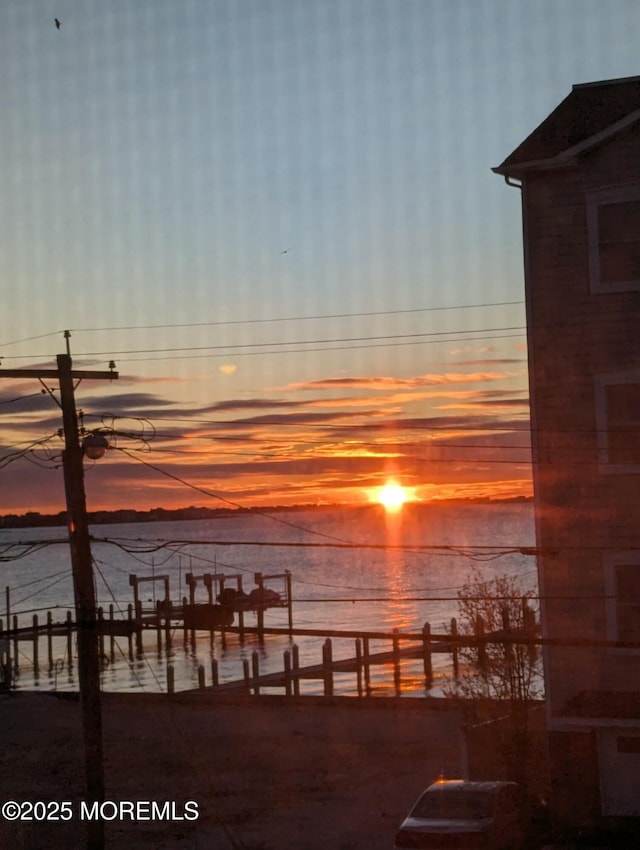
(278, 218)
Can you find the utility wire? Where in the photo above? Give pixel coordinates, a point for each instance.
(235, 354)
(174, 353)
(336, 543)
(30, 338)
(22, 397)
(279, 343)
(300, 318)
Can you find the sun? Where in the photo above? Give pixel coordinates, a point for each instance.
(392, 496)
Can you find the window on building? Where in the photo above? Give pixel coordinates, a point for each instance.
(618, 421)
(622, 595)
(623, 423)
(627, 601)
(629, 744)
(614, 239)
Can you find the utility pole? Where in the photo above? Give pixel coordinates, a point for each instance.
(83, 579)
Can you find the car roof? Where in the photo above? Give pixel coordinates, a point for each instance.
(489, 787)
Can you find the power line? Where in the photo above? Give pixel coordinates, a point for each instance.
(22, 397)
(333, 543)
(235, 354)
(30, 338)
(299, 318)
(279, 343)
(173, 355)
(272, 320)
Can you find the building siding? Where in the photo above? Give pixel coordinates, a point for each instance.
(583, 512)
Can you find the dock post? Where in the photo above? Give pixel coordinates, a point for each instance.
(359, 666)
(138, 609)
(245, 671)
(15, 642)
(366, 665)
(295, 665)
(327, 663)
(209, 584)
(69, 640)
(426, 656)
(171, 679)
(454, 646)
(159, 626)
(184, 620)
(396, 662)
(287, 673)
(201, 676)
(101, 635)
(167, 626)
(289, 602)
(214, 671)
(259, 580)
(255, 670)
(130, 630)
(482, 649)
(240, 612)
(112, 637)
(50, 639)
(191, 583)
(35, 643)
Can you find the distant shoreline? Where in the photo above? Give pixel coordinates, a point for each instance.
(33, 519)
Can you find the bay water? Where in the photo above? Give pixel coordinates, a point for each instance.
(361, 569)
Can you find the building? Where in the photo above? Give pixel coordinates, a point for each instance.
(579, 175)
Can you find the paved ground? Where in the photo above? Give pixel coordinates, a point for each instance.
(266, 774)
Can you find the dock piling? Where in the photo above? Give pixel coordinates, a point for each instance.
(69, 641)
(15, 643)
(287, 673)
(255, 669)
(454, 647)
(366, 665)
(426, 656)
(35, 643)
(50, 640)
(359, 666)
(396, 662)
(112, 638)
(327, 663)
(295, 664)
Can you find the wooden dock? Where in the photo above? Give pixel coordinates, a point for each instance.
(194, 618)
(421, 646)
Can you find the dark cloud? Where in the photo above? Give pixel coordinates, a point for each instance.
(252, 404)
(500, 402)
(489, 361)
(124, 404)
(27, 401)
(467, 422)
(303, 418)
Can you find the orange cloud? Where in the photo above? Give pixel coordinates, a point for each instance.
(388, 382)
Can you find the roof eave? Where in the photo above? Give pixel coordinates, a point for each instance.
(569, 156)
(519, 169)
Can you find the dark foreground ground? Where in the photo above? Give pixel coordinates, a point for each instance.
(267, 774)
